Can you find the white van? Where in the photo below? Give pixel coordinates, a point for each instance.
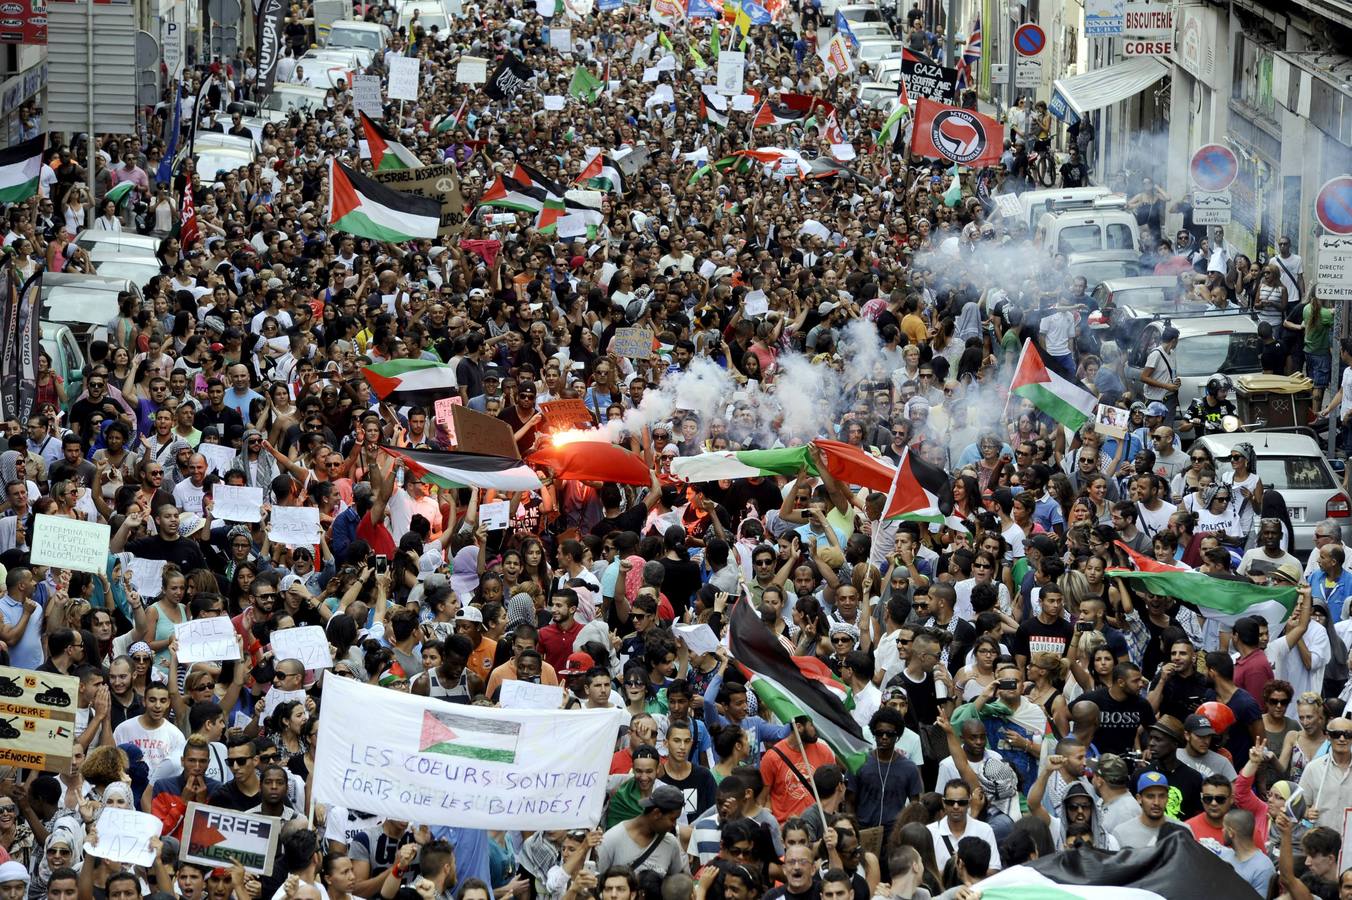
(1032, 204)
(1104, 225)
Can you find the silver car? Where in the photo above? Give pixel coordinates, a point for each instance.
(1290, 462)
(1225, 345)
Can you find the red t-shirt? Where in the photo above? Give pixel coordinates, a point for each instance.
(1253, 672)
(377, 536)
(556, 644)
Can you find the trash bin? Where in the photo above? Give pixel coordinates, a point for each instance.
(1281, 401)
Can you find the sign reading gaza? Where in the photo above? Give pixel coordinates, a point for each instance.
(406, 756)
(926, 79)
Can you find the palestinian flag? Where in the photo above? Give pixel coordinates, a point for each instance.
(506, 192)
(775, 116)
(454, 470)
(586, 459)
(775, 157)
(1176, 868)
(410, 376)
(1221, 599)
(119, 192)
(726, 162)
(1063, 400)
(793, 686)
(602, 174)
(846, 463)
(387, 154)
(453, 734)
(367, 208)
(585, 86)
(20, 167)
(893, 126)
(912, 499)
(451, 120)
(713, 108)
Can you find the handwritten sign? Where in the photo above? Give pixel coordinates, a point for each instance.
(366, 95)
(294, 526)
(442, 410)
(124, 836)
(476, 432)
(37, 719)
(237, 504)
(216, 837)
(206, 640)
(403, 78)
(529, 695)
(471, 70)
(306, 643)
(276, 697)
(147, 576)
(218, 456)
(494, 516)
(570, 413)
(70, 544)
(698, 638)
(633, 343)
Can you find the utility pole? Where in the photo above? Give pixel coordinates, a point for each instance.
(950, 34)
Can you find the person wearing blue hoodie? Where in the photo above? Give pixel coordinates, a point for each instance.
(732, 700)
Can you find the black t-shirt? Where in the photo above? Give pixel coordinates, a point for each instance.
(924, 701)
(1185, 790)
(699, 788)
(680, 582)
(1036, 636)
(1182, 695)
(782, 892)
(632, 519)
(470, 376)
(184, 553)
(1119, 720)
(231, 797)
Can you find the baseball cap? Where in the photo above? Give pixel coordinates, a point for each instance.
(826, 308)
(895, 692)
(1149, 780)
(470, 614)
(577, 664)
(1112, 769)
(1156, 408)
(664, 797)
(1199, 725)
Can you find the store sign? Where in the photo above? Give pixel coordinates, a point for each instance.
(1148, 30)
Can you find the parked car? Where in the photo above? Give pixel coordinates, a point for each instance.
(84, 303)
(121, 241)
(1098, 266)
(1032, 204)
(1289, 461)
(874, 49)
(430, 13)
(1106, 225)
(288, 98)
(1207, 345)
(68, 360)
(371, 35)
(1131, 303)
(135, 269)
(860, 12)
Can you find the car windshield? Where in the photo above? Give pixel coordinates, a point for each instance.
(1229, 354)
(354, 37)
(1102, 270)
(141, 273)
(1289, 473)
(67, 305)
(285, 101)
(1087, 237)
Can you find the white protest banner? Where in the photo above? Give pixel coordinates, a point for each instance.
(275, 698)
(124, 836)
(420, 759)
(698, 638)
(561, 39)
(294, 526)
(529, 695)
(307, 643)
(471, 70)
(206, 640)
(366, 95)
(731, 72)
(147, 576)
(494, 516)
(70, 544)
(403, 78)
(554, 102)
(237, 503)
(218, 456)
(216, 837)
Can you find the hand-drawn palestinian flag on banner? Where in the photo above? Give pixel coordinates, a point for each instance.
(410, 376)
(1176, 868)
(793, 686)
(1222, 599)
(453, 470)
(916, 491)
(1062, 399)
(364, 207)
(20, 167)
(387, 154)
(451, 734)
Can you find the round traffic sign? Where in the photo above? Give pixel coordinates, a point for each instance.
(1214, 168)
(1333, 205)
(1030, 39)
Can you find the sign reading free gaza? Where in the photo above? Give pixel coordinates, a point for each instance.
(406, 756)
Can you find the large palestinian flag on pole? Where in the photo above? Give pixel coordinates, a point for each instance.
(387, 154)
(846, 463)
(453, 470)
(20, 167)
(364, 207)
(1221, 599)
(916, 491)
(1063, 400)
(792, 686)
(406, 377)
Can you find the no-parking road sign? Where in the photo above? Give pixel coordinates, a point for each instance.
(1030, 39)
(1214, 168)
(1333, 205)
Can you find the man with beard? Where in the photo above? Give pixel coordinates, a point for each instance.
(1078, 810)
(787, 766)
(1179, 688)
(1252, 864)
(556, 638)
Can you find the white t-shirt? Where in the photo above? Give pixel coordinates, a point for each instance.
(1058, 329)
(1152, 522)
(1289, 268)
(1162, 368)
(156, 744)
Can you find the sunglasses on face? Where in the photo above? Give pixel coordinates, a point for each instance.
(1215, 798)
(956, 804)
(1339, 735)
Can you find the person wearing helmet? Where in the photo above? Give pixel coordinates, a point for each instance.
(1205, 413)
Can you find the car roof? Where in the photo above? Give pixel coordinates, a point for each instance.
(1093, 256)
(1139, 282)
(358, 25)
(1194, 326)
(118, 237)
(1276, 443)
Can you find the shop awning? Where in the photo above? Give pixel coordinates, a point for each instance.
(1073, 97)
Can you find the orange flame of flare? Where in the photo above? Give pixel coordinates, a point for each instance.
(571, 435)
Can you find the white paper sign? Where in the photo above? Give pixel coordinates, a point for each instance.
(743, 103)
(494, 516)
(815, 229)
(544, 8)
(572, 225)
(755, 304)
(275, 698)
(651, 74)
(731, 71)
(70, 544)
(306, 643)
(366, 95)
(237, 504)
(403, 78)
(206, 640)
(707, 269)
(1008, 205)
(294, 526)
(471, 70)
(561, 39)
(147, 576)
(219, 457)
(698, 638)
(553, 102)
(528, 695)
(125, 835)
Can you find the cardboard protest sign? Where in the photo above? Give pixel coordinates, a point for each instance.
(442, 409)
(529, 695)
(494, 516)
(70, 544)
(206, 640)
(295, 526)
(633, 343)
(572, 413)
(37, 719)
(124, 836)
(476, 432)
(307, 643)
(440, 182)
(1111, 420)
(216, 837)
(237, 504)
(469, 766)
(471, 70)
